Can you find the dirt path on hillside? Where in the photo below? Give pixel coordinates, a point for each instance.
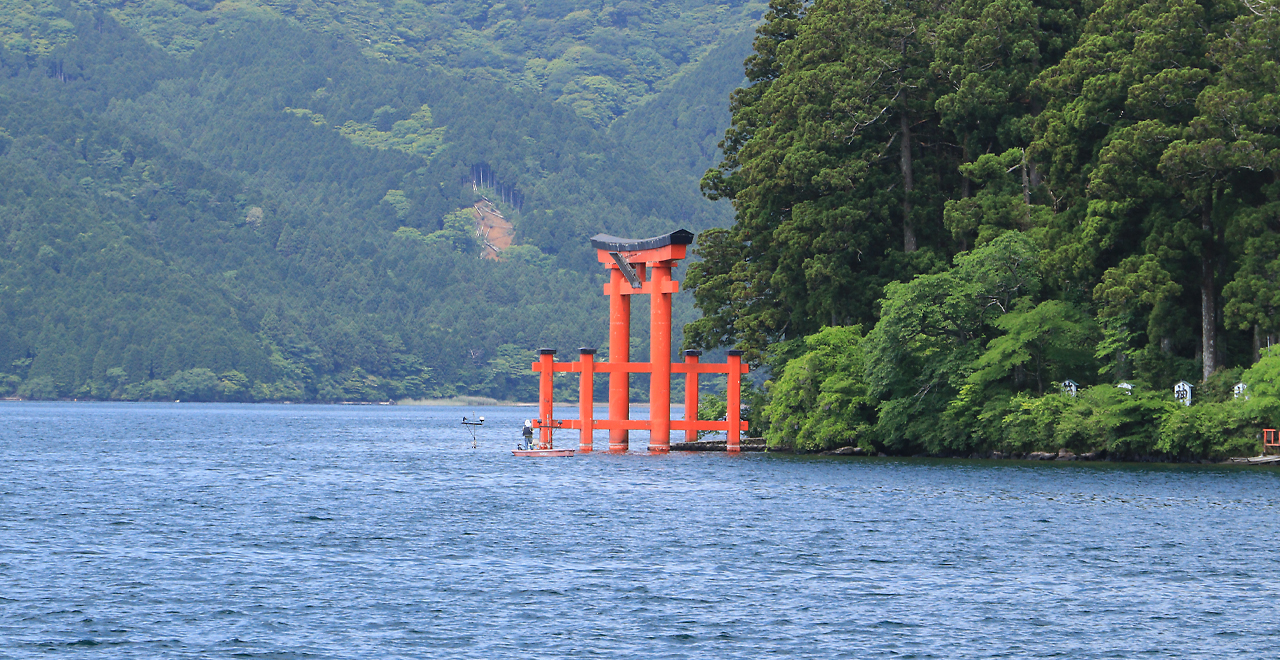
(494, 230)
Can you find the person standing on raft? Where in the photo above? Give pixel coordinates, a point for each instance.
(528, 434)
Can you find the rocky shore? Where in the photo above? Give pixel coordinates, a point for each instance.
(749, 444)
(758, 445)
(1065, 455)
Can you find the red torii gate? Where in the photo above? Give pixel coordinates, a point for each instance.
(640, 266)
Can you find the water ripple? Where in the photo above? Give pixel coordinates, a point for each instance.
(193, 531)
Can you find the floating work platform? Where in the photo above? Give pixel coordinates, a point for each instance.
(542, 452)
(1258, 460)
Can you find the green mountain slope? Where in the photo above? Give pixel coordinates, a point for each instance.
(679, 129)
(274, 216)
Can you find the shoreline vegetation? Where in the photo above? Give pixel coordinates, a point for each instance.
(459, 401)
(1062, 455)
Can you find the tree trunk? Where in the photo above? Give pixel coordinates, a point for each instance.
(908, 229)
(1026, 190)
(1026, 184)
(1208, 313)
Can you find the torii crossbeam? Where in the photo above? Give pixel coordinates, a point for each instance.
(640, 266)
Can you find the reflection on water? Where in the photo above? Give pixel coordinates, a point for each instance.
(337, 532)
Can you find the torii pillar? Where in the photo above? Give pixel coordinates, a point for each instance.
(640, 267)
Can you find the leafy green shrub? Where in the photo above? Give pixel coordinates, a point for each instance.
(1213, 430)
(39, 387)
(150, 390)
(1263, 381)
(194, 384)
(1219, 387)
(712, 407)
(1033, 422)
(1099, 418)
(822, 399)
(9, 383)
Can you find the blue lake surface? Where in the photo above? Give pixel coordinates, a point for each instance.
(259, 531)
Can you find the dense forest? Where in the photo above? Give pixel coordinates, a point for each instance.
(272, 214)
(1004, 225)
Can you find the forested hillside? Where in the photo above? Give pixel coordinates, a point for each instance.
(274, 215)
(679, 129)
(944, 213)
(600, 58)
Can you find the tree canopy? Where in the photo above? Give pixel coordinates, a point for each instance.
(1006, 196)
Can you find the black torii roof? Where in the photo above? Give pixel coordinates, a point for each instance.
(615, 244)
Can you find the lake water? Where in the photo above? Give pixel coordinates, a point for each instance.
(257, 531)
